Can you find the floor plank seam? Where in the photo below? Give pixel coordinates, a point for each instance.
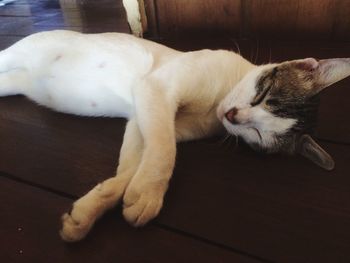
(39, 186)
(332, 142)
(210, 242)
(155, 224)
(13, 35)
(17, 16)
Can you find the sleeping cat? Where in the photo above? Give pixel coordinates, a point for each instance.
(168, 96)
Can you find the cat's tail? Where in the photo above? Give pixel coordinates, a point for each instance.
(13, 77)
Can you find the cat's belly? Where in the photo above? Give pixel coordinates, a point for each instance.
(91, 96)
(87, 85)
(92, 77)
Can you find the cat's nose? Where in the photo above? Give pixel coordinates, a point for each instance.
(230, 115)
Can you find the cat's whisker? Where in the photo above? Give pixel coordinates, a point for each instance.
(236, 142)
(225, 139)
(237, 46)
(251, 54)
(228, 139)
(233, 139)
(257, 51)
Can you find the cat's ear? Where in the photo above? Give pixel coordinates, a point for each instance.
(307, 64)
(325, 72)
(330, 71)
(308, 148)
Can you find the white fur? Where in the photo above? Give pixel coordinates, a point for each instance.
(167, 96)
(81, 74)
(252, 118)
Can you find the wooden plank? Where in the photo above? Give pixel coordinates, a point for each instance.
(83, 17)
(310, 19)
(210, 16)
(29, 233)
(315, 18)
(15, 10)
(152, 22)
(12, 25)
(341, 23)
(279, 19)
(6, 41)
(77, 152)
(271, 18)
(279, 208)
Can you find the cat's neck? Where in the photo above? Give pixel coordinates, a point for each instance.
(205, 77)
(228, 68)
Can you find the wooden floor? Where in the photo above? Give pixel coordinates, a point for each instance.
(225, 203)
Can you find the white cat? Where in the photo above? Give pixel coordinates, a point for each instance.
(167, 96)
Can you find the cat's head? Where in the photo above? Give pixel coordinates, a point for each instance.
(274, 107)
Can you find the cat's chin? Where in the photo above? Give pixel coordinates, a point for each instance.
(263, 149)
(250, 135)
(257, 140)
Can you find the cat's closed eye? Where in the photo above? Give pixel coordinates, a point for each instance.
(272, 102)
(260, 97)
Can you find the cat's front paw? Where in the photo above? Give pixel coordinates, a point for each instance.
(141, 204)
(74, 227)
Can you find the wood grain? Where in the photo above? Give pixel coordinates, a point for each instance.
(315, 18)
(85, 149)
(152, 19)
(264, 19)
(307, 19)
(208, 16)
(29, 233)
(279, 208)
(341, 25)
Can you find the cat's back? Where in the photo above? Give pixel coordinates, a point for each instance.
(46, 49)
(117, 48)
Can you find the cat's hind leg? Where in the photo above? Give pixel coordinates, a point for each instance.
(105, 195)
(13, 77)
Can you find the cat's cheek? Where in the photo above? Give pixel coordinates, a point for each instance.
(259, 117)
(250, 137)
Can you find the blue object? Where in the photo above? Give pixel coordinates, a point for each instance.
(4, 2)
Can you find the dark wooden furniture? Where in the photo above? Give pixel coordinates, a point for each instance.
(281, 19)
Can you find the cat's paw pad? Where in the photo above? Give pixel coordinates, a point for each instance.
(74, 227)
(141, 208)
